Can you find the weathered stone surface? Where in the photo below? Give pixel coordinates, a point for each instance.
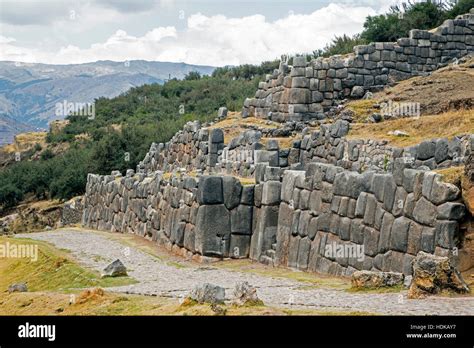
(445, 232)
(426, 150)
(216, 135)
(425, 212)
(222, 112)
(208, 293)
(288, 183)
(115, 269)
(239, 246)
(265, 156)
(399, 234)
(210, 190)
(17, 287)
(232, 190)
(451, 211)
(241, 219)
(371, 241)
(433, 274)
(212, 230)
(442, 192)
(372, 279)
(271, 193)
(247, 195)
(246, 295)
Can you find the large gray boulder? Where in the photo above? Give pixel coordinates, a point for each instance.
(115, 269)
(18, 287)
(208, 293)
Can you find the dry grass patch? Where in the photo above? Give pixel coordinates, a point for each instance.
(284, 142)
(99, 302)
(446, 89)
(362, 108)
(447, 125)
(234, 125)
(452, 175)
(25, 141)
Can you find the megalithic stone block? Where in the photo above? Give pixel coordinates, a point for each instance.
(210, 190)
(212, 233)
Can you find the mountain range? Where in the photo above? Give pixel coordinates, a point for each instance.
(29, 92)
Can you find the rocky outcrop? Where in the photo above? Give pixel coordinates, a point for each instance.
(208, 293)
(246, 295)
(307, 89)
(434, 274)
(115, 269)
(374, 280)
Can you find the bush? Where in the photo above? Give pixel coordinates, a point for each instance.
(10, 195)
(340, 45)
(401, 19)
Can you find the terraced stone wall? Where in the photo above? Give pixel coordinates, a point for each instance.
(192, 148)
(307, 89)
(389, 217)
(207, 216)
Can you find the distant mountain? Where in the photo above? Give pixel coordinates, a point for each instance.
(29, 92)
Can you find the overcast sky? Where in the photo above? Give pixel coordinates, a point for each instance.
(207, 32)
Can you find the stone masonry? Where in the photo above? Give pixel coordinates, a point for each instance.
(307, 89)
(325, 192)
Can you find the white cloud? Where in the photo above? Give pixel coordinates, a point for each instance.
(213, 40)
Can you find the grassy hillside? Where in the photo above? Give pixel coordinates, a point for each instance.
(53, 270)
(122, 130)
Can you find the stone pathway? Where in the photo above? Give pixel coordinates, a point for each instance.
(162, 278)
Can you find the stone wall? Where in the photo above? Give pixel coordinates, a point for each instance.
(307, 89)
(244, 152)
(208, 215)
(193, 148)
(327, 192)
(389, 217)
(329, 145)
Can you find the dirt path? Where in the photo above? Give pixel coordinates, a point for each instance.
(160, 277)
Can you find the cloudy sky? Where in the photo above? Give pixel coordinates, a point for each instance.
(207, 32)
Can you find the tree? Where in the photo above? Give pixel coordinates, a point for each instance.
(192, 75)
(401, 19)
(340, 45)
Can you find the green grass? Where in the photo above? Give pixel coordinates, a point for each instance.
(380, 290)
(53, 270)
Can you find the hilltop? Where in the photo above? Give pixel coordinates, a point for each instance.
(29, 92)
